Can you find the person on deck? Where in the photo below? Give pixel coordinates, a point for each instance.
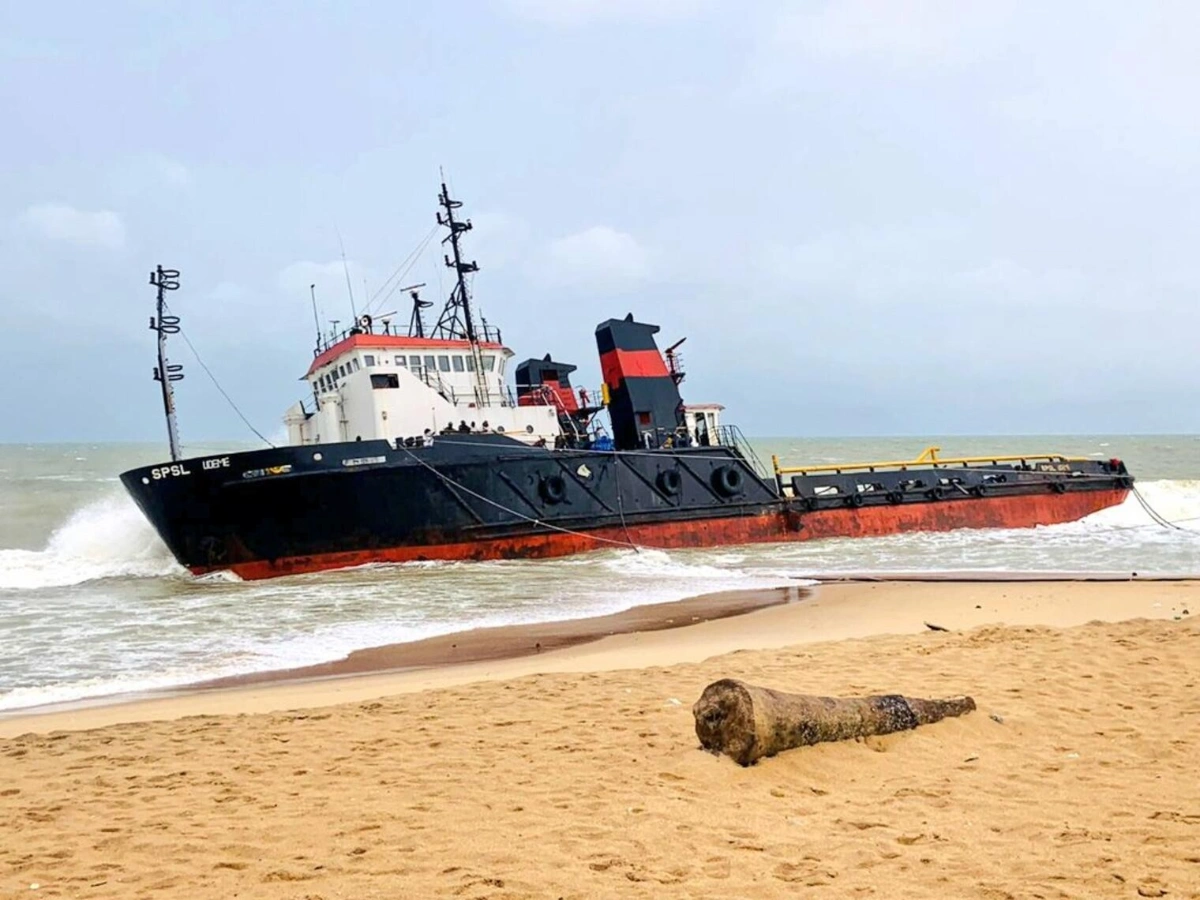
(463, 427)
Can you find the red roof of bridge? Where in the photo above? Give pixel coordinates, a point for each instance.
(390, 342)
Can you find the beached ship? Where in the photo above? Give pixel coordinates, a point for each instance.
(412, 446)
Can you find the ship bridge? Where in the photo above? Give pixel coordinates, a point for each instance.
(386, 386)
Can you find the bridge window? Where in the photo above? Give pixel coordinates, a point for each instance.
(354, 362)
(401, 360)
(431, 363)
(470, 364)
(369, 359)
(444, 363)
(489, 363)
(458, 364)
(385, 380)
(414, 362)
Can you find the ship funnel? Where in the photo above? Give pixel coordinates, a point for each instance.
(644, 402)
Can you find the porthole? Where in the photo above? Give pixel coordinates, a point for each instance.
(317, 457)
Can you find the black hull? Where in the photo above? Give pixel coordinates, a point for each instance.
(301, 509)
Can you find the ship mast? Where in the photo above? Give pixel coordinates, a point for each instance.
(165, 373)
(456, 322)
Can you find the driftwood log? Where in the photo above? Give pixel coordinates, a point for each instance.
(746, 722)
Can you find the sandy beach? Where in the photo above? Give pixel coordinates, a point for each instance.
(572, 769)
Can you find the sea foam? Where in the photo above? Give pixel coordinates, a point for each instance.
(108, 538)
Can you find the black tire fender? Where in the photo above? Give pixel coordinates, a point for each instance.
(553, 489)
(669, 482)
(727, 480)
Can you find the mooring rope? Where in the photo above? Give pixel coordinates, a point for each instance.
(628, 542)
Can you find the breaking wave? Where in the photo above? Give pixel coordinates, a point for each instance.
(108, 538)
(1176, 501)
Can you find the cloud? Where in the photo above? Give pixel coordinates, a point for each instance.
(60, 222)
(899, 33)
(583, 12)
(497, 239)
(596, 257)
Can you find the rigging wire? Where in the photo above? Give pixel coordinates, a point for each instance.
(628, 542)
(400, 271)
(217, 385)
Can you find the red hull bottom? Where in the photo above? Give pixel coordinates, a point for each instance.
(1024, 511)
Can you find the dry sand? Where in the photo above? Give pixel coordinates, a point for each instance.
(485, 780)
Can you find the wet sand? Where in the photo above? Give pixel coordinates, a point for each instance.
(514, 641)
(575, 772)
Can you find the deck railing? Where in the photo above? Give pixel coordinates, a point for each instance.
(731, 436)
(928, 459)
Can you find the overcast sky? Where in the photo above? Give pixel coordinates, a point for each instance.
(886, 217)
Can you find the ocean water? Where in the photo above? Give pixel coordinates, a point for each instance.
(92, 603)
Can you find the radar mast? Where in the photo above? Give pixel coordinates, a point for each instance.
(165, 373)
(456, 323)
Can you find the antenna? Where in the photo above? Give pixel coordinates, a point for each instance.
(416, 326)
(312, 291)
(346, 269)
(165, 373)
(333, 324)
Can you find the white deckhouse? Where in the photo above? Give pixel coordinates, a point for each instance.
(369, 386)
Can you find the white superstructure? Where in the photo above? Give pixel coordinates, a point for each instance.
(386, 386)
